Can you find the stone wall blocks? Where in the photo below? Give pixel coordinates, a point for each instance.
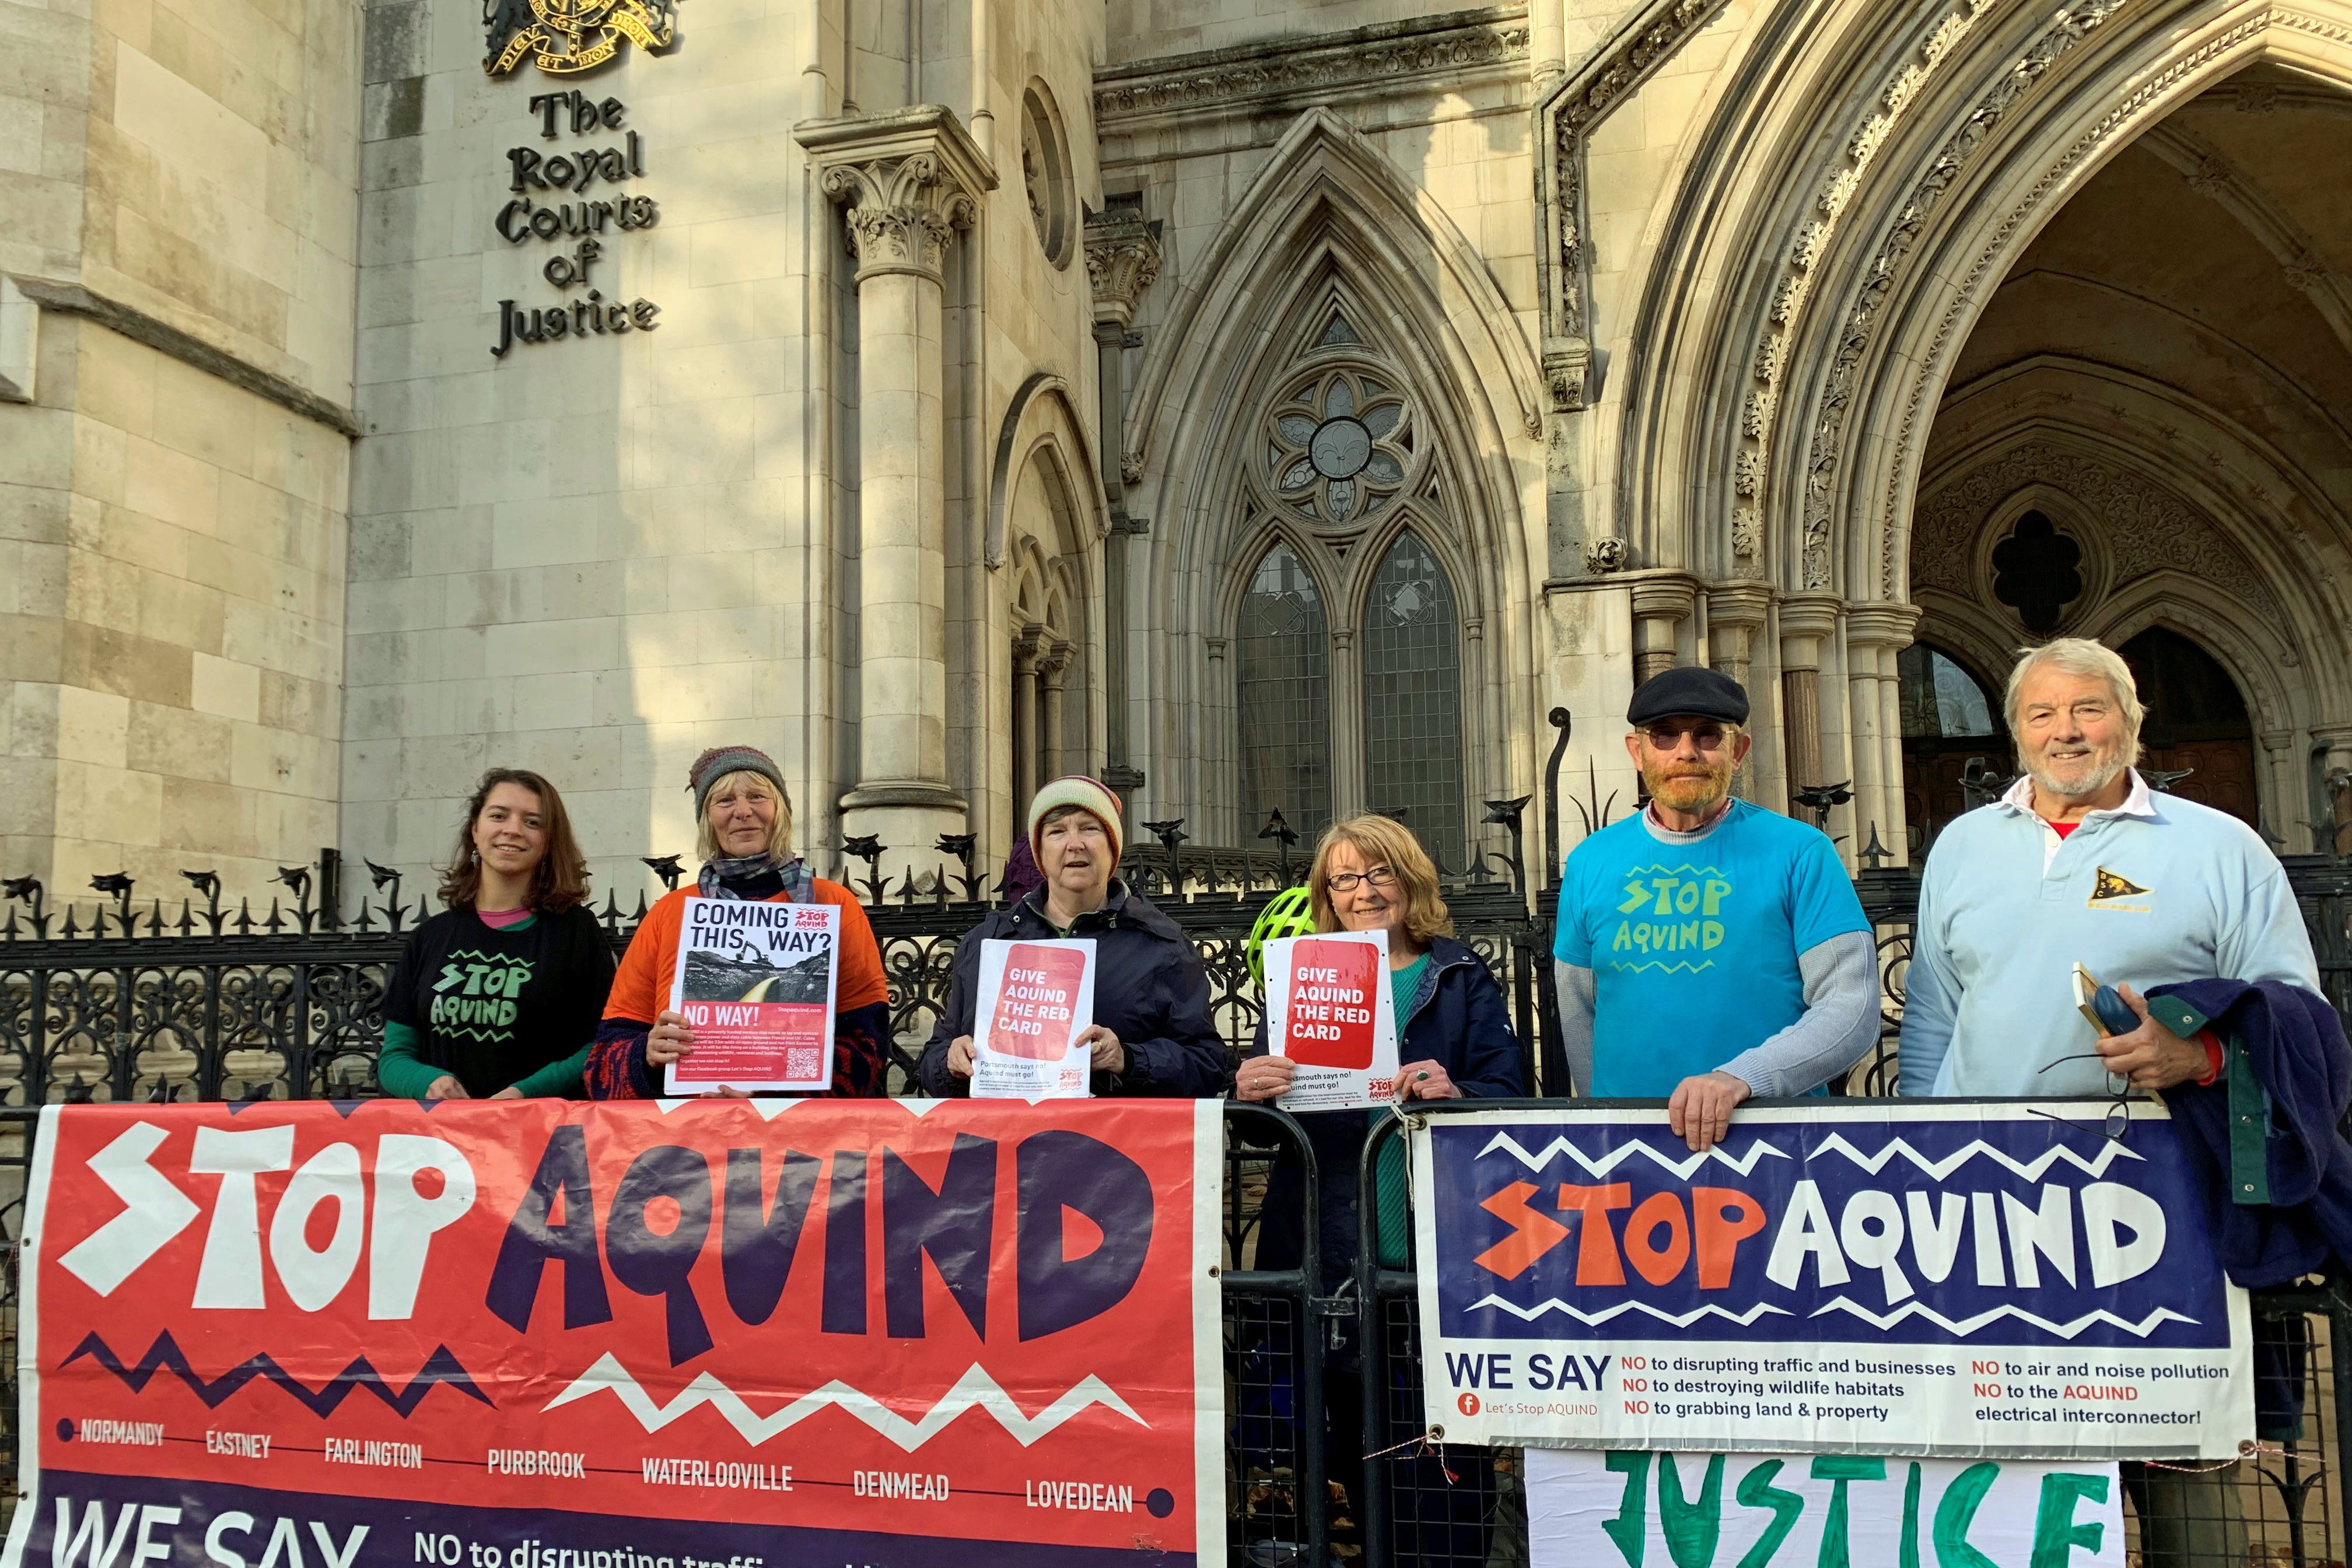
(564, 700)
(543, 646)
(722, 580)
(37, 577)
(380, 547)
(586, 758)
(92, 726)
(398, 41)
(116, 809)
(28, 792)
(396, 604)
(169, 485)
(180, 743)
(38, 446)
(116, 384)
(446, 766)
(735, 637)
(404, 471)
(36, 514)
(737, 250)
(124, 663)
(194, 415)
(225, 687)
(698, 443)
(32, 648)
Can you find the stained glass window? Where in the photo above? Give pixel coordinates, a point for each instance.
(1412, 698)
(1939, 696)
(1284, 662)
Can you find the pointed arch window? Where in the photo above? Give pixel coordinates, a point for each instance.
(1412, 697)
(1284, 661)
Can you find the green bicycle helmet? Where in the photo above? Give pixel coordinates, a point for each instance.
(1290, 913)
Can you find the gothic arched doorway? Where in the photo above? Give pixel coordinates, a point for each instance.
(2196, 723)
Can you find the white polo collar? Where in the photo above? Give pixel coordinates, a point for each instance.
(2139, 801)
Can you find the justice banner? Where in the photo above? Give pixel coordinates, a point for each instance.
(1959, 1278)
(757, 982)
(664, 1334)
(1800, 1510)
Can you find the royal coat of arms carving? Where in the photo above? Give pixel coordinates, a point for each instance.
(566, 37)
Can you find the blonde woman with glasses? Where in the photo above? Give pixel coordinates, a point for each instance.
(1454, 1042)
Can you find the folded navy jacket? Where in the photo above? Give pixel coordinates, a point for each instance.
(2264, 1142)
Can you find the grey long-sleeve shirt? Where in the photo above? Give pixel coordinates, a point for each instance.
(1837, 1029)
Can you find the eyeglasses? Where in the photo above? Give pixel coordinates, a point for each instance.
(2118, 1110)
(1380, 877)
(1709, 735)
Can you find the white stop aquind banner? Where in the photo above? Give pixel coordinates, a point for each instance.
(1963, 1278)
(1799, 1510)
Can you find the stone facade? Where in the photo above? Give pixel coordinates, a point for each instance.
(182, 183)
(968, 392)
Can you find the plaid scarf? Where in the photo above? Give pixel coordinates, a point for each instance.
(716, 876)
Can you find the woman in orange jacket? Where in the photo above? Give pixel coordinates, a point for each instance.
(745, 841)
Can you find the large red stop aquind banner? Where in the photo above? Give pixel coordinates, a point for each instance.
(698, 1334)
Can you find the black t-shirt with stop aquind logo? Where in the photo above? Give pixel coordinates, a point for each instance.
(495, 1007)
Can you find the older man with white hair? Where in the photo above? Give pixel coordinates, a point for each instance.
(2081, 863)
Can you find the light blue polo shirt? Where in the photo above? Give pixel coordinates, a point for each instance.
(1694, 947)
(2156, 890)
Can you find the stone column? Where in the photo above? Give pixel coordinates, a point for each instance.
(1661, 604)
(2286, 791)
(1874, 635)
(1123, 261)
(1736, 614)
(1805, 620)
(1052, 759)
(2336, 777)
(908, 181)
(1025, 724)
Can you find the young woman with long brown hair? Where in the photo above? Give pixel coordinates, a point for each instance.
(498, 996)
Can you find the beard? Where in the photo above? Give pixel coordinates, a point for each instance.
(2077, 776)
(1684, 788)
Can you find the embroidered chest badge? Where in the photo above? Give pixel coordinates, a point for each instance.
(2109, 887)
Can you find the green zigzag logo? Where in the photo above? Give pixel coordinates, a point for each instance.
(1685, 966)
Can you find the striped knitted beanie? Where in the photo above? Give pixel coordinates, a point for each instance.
(1090, 794)
(719, 760)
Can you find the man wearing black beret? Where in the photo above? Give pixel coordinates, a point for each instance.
(1708, 950)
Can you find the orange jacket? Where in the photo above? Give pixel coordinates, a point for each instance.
(641, 984)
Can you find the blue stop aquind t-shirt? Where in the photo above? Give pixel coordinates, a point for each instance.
(1693, 948)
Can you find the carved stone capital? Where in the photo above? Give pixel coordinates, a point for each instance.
(907, 181)
(1881, 624)
(1055, 664)
(1568, 375)
(1123, 261)
(1743, 605)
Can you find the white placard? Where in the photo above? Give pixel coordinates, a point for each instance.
(756, 983)
(1328, 1009)
(1035, 999)
(1772, 1510)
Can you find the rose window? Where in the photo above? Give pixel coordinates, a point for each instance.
(1340, 448)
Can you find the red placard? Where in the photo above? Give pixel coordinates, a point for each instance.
(1332, 1003)
(1037, 1009)
(766, 1332)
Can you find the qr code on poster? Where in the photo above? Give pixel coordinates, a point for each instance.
(803, 1062)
